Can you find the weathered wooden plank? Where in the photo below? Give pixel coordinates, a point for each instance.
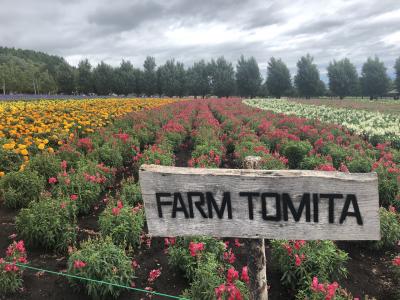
(189, 200)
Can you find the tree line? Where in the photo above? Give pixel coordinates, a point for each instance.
(26, 71)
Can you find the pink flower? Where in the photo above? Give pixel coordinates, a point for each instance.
(64, 165)
(135, 264)
(298, 260)
(232, 275)
(396, 261)
(116, 211)
(298, 244)
(237, 243)
(392, 208)
(78, 264)
(195, 247)
(52, 180)
(63, 205)
(73, 197)
(120, 204)
(153, 275)
(229, 256)
(245, 275)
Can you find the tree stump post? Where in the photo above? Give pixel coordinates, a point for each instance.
(257, 264)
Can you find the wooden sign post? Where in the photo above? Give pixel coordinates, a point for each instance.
(257, 204)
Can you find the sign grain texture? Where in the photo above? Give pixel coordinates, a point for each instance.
(281, 204)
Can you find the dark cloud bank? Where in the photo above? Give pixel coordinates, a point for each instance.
(191, 30)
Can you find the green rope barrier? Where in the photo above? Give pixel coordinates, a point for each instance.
(99, 281)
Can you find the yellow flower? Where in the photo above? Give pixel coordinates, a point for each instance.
(21, 146)
(51, 150)
(24, 152)
(2, 174)
(41, 146)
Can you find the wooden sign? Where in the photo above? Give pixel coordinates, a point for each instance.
(282, 204)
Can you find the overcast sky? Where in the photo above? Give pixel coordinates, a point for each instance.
(194, 29)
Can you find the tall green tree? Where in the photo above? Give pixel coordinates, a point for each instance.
(307, 79)
(343, 78)
(171, 79)
(103, 78)
(374, 80)
(85, 80)
(278, 78)
(199, 81)
(65, 79)
(222, 77)
(124, 78)
(149, 76)
(248, 77)
(397, 70)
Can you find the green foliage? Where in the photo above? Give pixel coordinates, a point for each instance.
(150, 76)
(343, 78)
(100, 259)
(374, 80)
(9, 160)
(336, 152)
(390, 230)
(11, 275)
(278, 78)
(157, 155)
(46, 164)
(48, 223)
(307, 79)
(179, 255)
(359, 165)
(85, 80)
(397, 70)
(317, 258)
(130, 192)
(108, 154)
(172, 78)
(222, 77)
(248, 77)
(18, 189)
(78, 184)
(122, 223)
(312, 161)
(295, 152)
(199, 79)
(388, 187)
(103, 79)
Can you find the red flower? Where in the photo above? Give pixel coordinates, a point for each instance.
(229, 256)
(232, 275)
(396, 261)
(120, 204)
(134, 264)
(78, 264)
(195, 247)
(64, 165)
(237, 243)
(73, 197)
(245, 275)
(116, 211)
(298, 260)
(52, 180)
(153, 275)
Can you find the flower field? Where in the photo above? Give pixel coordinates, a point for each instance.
(377, 127)
(78, 209)
(29, 127)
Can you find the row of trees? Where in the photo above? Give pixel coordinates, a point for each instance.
(342, 75)
(27, 71)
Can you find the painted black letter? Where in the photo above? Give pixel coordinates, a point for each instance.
(345, 212)
(199, 203)
(331, 198)
(250, 196)
(277, 197)
(175, 208)
(226, 201)
(160, 203)
(287, 203)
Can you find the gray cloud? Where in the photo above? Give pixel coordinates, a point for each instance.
(192, 29)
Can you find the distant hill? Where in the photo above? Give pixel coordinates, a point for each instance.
(28, 71)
